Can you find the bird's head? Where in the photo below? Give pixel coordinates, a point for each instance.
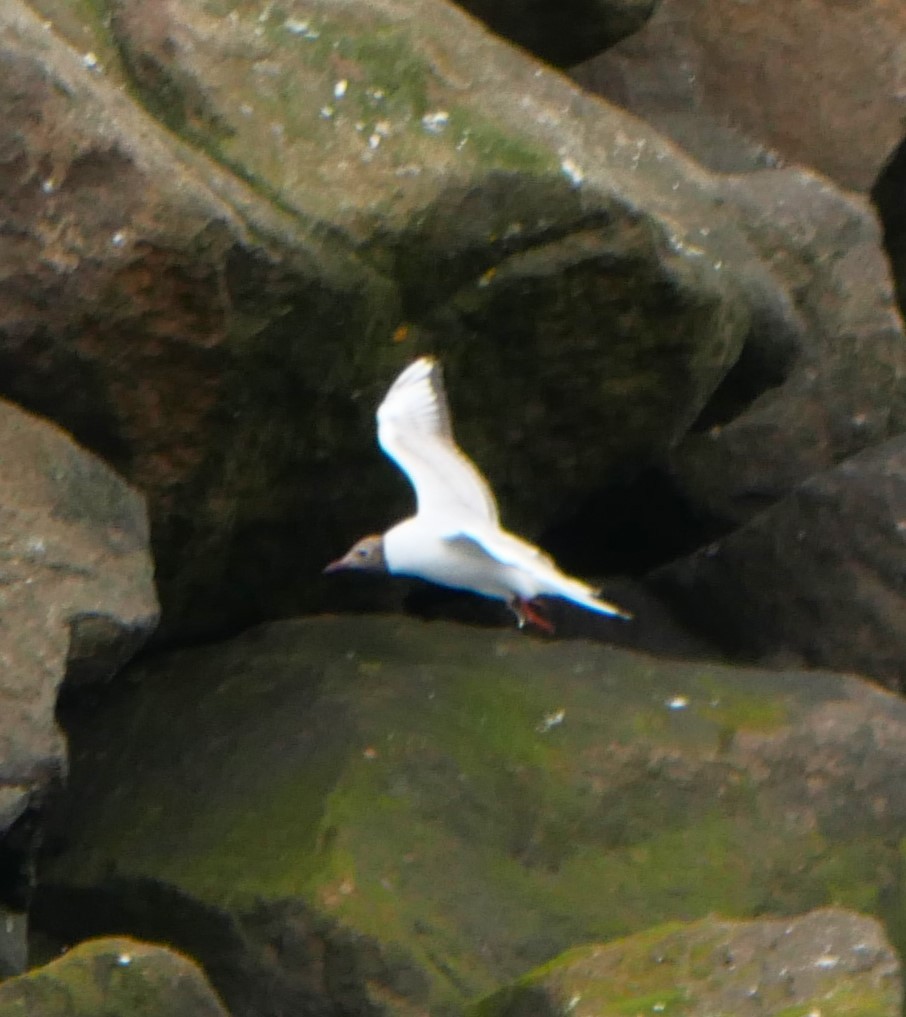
(366, 555)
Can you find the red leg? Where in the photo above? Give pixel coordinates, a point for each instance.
(530, 611)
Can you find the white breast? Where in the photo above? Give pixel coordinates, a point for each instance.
(412, 549)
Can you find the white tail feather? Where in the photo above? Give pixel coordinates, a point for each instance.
(581, 593)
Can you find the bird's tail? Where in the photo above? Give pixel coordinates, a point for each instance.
(589, 597)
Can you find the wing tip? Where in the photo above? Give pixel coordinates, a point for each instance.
(417, 392)
(431, 367)
(426, 366)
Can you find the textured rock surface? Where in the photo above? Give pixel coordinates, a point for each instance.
(144, 286)
(721, 82)
(223, 223)
(829, 962)
(76, 590)
(821, 377)
(118, 977)
(392, 817)
(821, 575)
(801, 79)
(563, 31)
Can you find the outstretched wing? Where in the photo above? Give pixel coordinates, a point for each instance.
(414, 430)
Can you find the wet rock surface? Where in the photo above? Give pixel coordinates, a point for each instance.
(76, 591)
(397, 817)
(112, 976)
(830, 962)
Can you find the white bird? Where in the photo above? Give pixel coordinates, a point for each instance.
(455, 537)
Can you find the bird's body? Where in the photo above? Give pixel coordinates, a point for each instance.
(416, 548)
(455, 538)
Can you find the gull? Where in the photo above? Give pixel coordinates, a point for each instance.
(455, 538)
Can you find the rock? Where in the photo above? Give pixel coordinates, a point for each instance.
(722, 84)
(805, 393)
(654, 628)
(829, 962)
(76, 591)
(145, 284)
(563, 33)
(799, 81)
(112, 976)
(382, 816)
(279, 212)
(820, 576)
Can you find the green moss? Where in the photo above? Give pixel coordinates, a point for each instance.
(667, 969)
(483, 731)
(413, 783)
(735, 709)
(396, 84)
(286, 831)
(639, 945)
(670, 1001)
(499, 148)
(106, 977)
(387, 58)
(890, 906)
(274, 134)
(845, 1001)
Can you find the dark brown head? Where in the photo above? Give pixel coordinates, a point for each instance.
(366, 554)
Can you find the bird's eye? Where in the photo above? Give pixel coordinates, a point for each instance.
(362, 553)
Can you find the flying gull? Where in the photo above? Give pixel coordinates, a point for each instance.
(455, 537)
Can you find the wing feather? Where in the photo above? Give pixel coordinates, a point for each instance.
(507, 549)
(415, 431)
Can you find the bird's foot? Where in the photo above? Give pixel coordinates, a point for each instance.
(528, 612)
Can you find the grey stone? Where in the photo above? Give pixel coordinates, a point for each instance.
(73, 545)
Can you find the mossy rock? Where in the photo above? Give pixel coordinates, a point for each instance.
(399, 816)
(112, 978)
(829, 962)
(280, 211)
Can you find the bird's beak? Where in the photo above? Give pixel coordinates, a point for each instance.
(335, 566)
